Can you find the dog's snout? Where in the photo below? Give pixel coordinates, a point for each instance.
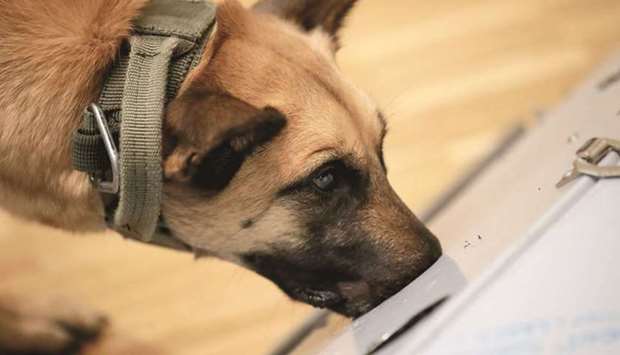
(421, 250)
(404, 246)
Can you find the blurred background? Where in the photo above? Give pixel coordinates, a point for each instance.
(453, 76)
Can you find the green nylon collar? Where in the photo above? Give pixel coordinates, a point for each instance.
(167, 41)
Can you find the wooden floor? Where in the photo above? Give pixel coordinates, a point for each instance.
(453, 76)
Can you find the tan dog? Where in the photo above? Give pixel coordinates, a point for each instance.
(273, 160)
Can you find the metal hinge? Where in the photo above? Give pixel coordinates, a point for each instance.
(588, 157)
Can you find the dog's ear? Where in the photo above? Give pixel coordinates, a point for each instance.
(310, 14)
(211, 135)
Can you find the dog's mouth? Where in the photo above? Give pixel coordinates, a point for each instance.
(335, 297)
(340, 291)
(316, 297)
(339, 301)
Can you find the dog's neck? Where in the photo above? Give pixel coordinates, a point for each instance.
(166, 43)
(44, 96)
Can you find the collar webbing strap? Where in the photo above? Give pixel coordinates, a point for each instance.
(142, 109)
(167, 41)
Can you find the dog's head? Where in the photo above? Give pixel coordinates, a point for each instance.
(274, 161)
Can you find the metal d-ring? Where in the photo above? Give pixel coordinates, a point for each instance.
(110, 187)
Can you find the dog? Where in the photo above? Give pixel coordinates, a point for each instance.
(272, 158)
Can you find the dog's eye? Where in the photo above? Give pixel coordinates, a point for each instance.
(325, 180)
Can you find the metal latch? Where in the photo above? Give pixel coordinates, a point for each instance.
(588, 157)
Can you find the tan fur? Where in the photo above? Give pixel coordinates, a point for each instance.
(52, 67)
(52, 58)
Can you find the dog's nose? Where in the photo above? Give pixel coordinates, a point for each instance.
(420, 249)
(391, 277)
(425, 251)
